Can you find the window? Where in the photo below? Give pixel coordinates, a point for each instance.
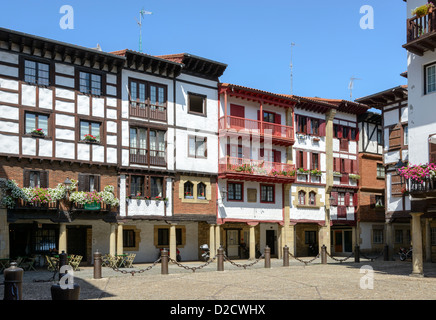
(35, 121)
(314, 127)
(156, 187)
(380, 171)
(36, 72)
(379, 136)
(137, 186)
(90, 83)
(433, 236)
(163, 236)
(310, 237)
(88, 182)
(351, 200)
(138, 145)
(266, 193)
(35, 179)
(197, 147)
(301, 197)
(301, 124)
(188, 190)
(90, 130)
(336, 131)
(147, 100)
(201, 191)
(379, 201)
(157, 144)
(377, 236)
(353, 134)
(406, 135)
(341, 199)
(345, 131)
(315, 161)
(44, 240)
(234, 192)
(268, 117)
(312, 198)
(196, 103)
(398, 236)
(430, 77)
(129, 238)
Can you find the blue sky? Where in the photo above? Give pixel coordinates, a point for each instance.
(253, 37)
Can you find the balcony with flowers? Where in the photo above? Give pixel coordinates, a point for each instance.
(419, 181)
(54, 200)
(421, 29)
(256, 170)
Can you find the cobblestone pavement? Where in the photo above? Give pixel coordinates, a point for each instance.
(314, 281)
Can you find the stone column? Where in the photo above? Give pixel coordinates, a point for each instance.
(62, 238)
(217, 236)
(324, 231)
(112, 239)
(173, 242)
(252, 245)
(417, 261)
(390, 239)
(427, 240)
(212, 240)
(4, 234)
(120, 244)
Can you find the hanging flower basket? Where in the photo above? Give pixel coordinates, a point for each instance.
(38, 133)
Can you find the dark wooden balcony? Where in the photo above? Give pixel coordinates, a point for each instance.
(148, 111)
(421, 33)
(256, 170)
(280, 134)
(20, 204)
(148, 157)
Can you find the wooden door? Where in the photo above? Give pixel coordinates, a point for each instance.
(338, 241)
(232, 241)
(237, 115)
(271, 241)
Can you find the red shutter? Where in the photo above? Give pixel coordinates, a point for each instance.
(322, 128)
(305, 160)
(258, 115)
(355, 199)
(347, 199)
(347, 166)
(339, 131)
(308, 125)
(335, 198)
(237, 111)
(278, 118)
(277, 156)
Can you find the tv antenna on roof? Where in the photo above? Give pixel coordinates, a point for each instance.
(141, 16)
(292, 70)
(351, 86)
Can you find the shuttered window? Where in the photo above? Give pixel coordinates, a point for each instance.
(35, 179)
(395, 137)
(89, 182)
(432, 153)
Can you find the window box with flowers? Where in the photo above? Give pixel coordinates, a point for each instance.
(354, 176)
(337, 174)
(421, 177)
(316, 172)
(91, 139)
(37, 133)
(188, 195)
(303, 171)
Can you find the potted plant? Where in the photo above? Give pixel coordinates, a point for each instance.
(303, 171)
(337, 174)
(38, 132)
(354, 176)
(316, 172)
(423, 10)
(90, 138)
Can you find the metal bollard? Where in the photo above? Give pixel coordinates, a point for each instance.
(324, 254)
(267, 254)
(220, 256)
(60, 292)
(286, 256)
(356, 253)
(13, 282)
(164, 261)
(97, 265)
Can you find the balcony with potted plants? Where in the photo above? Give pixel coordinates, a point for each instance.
(256, 170)
(421, 29)
(419, 181)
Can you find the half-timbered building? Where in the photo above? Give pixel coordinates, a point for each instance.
(59, 144)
